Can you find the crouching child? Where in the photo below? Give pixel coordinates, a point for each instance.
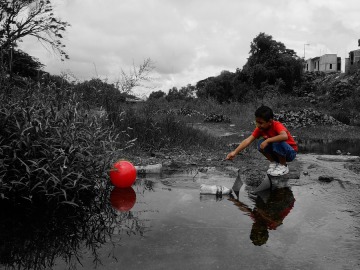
(276, 142)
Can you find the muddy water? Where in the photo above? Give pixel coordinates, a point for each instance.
(330, 147)
(170, 226)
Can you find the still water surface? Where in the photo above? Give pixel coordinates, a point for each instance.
(330, 147)
(164, 223)
(312, 227)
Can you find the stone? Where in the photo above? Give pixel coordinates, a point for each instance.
(326, 178)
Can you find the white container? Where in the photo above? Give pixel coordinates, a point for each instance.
(149, 169)
(214, 189)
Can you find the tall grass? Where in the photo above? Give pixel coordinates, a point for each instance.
(51, 148)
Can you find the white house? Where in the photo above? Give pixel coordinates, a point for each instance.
(324, 63)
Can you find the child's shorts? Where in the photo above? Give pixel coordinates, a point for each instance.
(278, 148)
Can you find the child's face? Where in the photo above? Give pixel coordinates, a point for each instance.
(262, 124)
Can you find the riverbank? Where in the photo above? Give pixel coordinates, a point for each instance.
(250, 162)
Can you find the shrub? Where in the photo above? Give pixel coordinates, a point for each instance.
(51, 148)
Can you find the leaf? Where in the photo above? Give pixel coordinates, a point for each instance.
(26, 166)
(71, 203)
(64, 192)
(34, 187)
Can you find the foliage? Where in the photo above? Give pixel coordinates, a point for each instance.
(157, 94)
(19, 18)
(154, 129)
(52, 149)
(185, 93)
(220, 87)
(96, 93)
(270, 60)
(22, 64)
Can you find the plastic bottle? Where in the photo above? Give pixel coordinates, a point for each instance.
(214, 189)
(149, 169)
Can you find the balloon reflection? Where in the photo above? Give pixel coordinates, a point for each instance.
(123, 199)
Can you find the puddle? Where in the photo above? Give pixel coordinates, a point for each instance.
(164, 223)
(330, 147)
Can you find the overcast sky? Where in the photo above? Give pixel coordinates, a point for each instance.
(191, 40)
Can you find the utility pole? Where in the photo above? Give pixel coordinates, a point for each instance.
(306, 44)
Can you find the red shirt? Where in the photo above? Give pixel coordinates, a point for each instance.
(273, 131)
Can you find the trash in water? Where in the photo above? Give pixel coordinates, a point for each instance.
(265, 184)
(149, 169)
(214, 189)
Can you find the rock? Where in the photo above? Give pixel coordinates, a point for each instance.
(305, 117)
(326, 178)
(338, 158)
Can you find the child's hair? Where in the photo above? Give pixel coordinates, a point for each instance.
(264, 112)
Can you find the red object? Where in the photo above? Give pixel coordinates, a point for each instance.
(123, 174)
(273, 131)
(123, 199)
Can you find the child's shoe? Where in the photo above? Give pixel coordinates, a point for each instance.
(280, 170)
(272, 167)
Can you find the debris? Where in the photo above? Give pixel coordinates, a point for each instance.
(214, 189)
(217, 118)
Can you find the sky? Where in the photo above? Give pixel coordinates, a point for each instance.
(189, 41)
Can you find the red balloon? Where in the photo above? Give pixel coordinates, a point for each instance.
(123, 199)
(123, 174)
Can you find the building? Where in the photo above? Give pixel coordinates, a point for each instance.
(324, 63)
(354, 57)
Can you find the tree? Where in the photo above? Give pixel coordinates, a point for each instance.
(157, 94)
(22, 18)
(270, 60)
(23, 64)
(219, 87)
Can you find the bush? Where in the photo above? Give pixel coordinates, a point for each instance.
(51, 148)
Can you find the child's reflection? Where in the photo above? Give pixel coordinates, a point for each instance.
(271, 208)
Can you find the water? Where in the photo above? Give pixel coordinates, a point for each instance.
(164, 223)
(330, 147)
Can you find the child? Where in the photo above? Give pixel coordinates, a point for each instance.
(277, 144)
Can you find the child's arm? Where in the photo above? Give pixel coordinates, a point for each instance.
(278, 138)
(245, 143)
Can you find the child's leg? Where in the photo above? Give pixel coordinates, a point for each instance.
(268, 152)
(284, 152)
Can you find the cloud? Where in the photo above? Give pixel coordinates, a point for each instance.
(191, 40)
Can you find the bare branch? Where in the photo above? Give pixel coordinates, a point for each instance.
(136, 76)
(20, 18)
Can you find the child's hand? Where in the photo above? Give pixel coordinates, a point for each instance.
(230, 156)
(263, 145)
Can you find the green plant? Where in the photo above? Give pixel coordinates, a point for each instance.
(51, 148)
